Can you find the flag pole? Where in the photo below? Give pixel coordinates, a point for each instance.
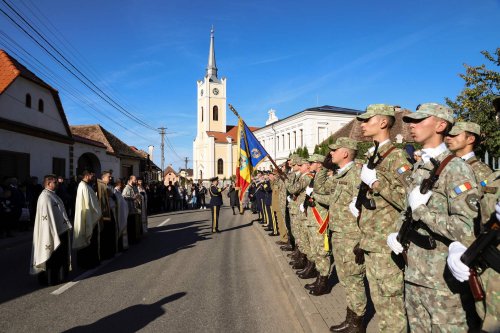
(280, 172)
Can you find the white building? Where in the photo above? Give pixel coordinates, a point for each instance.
(34, 134)
(304, 129)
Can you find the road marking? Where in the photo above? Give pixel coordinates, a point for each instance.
(164, 222)
(85, 275)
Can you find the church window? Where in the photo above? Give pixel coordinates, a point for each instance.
(216, 113)
(301, 138)
(202, 113)
(28, 100)
(220, 166)
(40, 108)
(278, 142)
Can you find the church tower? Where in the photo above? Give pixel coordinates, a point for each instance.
(210, 157)
(211, 96)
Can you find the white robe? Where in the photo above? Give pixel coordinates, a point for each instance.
(51, 221)
(87, 215)
(121, 212)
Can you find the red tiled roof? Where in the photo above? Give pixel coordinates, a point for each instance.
(87, 141)
(11, 69)
(169, 169)
(113, 145)
(231, 132)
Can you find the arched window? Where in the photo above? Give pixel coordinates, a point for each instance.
(40, 105)
(220, 166)
(28, 100)
(202, 113)
(216, 113)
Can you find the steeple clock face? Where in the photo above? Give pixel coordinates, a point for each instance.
(215, 91)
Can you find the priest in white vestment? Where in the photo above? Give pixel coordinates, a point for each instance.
(120, 211)
(51, 251)
(86, 223)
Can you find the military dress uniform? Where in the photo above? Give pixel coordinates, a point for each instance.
(267, 202)
(215, 203)
(338, 192)
(433, 299)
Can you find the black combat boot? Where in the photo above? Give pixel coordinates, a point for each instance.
(300, 262)
(301, 271)
(309, 273)
(342, 326)
(310, 286)
(321, 287)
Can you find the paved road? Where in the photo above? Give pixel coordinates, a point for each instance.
(180, 278)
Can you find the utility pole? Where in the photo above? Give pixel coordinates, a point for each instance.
(162, 133)
(186, 164)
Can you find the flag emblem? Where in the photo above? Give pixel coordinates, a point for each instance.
(484, 183)
(462, 188)
(403, 169)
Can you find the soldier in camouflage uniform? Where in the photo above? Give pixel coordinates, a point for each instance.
(275, 209)
(445, 214)
(387, 183)
(290, 178)
(339, 191)
(299, 220)
(319, 260)
(461, 140)
(293, 176)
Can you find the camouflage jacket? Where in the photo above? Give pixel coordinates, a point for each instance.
(481, 172)
(393, 174)
(298, 189)
(448, 216)
(491, 195)
(337, 192)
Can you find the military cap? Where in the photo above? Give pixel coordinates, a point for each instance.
(214, 179)
(377, 109)
(295, 159)
(316, 158)
(301, 161)
(468, 126)
(431, 109)
(344, 142)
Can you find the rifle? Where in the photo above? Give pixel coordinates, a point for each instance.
(307, 200)
(408, 231)
(363, 188)
(477, 255)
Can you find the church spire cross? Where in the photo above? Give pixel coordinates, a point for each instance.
(212, 67)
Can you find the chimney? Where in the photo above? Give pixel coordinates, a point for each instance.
(150, 152)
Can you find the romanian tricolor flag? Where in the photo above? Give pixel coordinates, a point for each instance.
(251, 154)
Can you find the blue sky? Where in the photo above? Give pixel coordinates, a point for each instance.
(286, 55)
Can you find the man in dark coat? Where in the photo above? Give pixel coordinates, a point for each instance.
(215, 202)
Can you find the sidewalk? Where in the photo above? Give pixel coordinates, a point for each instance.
(315, 313)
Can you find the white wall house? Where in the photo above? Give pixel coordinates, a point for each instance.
(35, 138)
(303, 129)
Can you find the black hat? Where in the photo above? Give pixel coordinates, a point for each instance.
(214, 179)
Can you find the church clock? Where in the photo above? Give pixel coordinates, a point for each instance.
(215, 91)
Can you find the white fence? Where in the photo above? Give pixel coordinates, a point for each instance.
(491, 161)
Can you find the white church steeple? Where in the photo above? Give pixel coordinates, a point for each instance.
(212, 66)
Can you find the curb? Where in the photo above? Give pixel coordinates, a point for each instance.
(305, 310)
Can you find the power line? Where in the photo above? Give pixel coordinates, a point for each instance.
(93, 87)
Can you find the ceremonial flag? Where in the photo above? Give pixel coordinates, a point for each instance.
(251, 153)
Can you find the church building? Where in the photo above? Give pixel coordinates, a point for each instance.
(214, 148)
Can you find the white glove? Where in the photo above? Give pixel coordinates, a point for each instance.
(415, 199)
(309, 190)
(459, 270)
(393, 243)
(289, 199)
(353, 209)
(368, 176)
(497, 211)
(301, 207)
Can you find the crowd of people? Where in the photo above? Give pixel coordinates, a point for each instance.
(415, 228)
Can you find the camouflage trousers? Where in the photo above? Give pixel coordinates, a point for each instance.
(300, 234)
(386, 289)
(433, 310)
(490, 310)
(351, 275)
(319, 255)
